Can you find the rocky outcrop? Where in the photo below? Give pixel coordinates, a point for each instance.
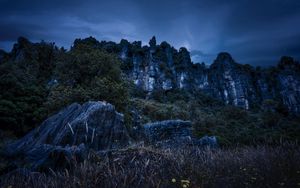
(169, 129)
(288, 79)
(47, 156)
(231, 82)
(162, 68)
(175, 133)
(210, 141)
(68, 135)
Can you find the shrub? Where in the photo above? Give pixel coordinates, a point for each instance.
(89, 74)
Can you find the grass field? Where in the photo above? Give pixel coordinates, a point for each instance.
(261, 166)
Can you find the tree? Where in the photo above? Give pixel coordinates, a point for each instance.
(88, 74)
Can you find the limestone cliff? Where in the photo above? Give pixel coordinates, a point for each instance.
(162, 67)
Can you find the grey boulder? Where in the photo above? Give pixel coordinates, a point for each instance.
(175, 133)
(207, 141)
(72, 132)
(167, 130)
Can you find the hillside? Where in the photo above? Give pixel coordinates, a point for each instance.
(156, 104)
(38, 79)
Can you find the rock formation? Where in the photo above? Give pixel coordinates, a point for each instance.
(71, 132)
(175, 133)
(166, 130)
(67, 137)
(161, 67)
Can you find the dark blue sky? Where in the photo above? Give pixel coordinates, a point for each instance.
(257, 32)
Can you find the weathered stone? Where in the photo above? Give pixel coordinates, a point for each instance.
(235, 84)
(46, 156)
(207, 141)
(288, 80)
(230, 82)
(167, 130)
(69, 133)
(175, 133)
(96, 124)
(163, 68)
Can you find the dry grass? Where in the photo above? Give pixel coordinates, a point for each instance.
(262, 166)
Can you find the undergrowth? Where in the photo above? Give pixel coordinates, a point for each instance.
(261, 166)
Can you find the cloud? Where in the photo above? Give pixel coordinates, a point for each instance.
(255, 32)
(198, 56)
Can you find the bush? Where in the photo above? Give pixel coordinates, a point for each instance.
(232, 112)
(270, 119)
(84, 73)
(154, 111)
(89, 74)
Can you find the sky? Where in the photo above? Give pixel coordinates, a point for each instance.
(256, 32)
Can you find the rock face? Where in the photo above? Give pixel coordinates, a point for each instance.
(162, 68)
(66, 138)
(230, 83)
(169, 129)
(288, 83)
(246, 87)
(210, 141)
(71, 132)
(47, 156)
(174, 133)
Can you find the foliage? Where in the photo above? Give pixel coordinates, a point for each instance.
(22, 84)
(91, 70)
(83, 73)
(127, 65)
(154, 111)
(88, 74)
(236, 126)
(231, 125)
(181, 59)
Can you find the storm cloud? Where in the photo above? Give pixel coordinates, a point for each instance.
(254, 32)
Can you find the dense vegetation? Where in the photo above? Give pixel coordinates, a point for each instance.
(231, 125)
(258, 146)
(38, 79)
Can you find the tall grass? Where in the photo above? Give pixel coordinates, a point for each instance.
(261, 166)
